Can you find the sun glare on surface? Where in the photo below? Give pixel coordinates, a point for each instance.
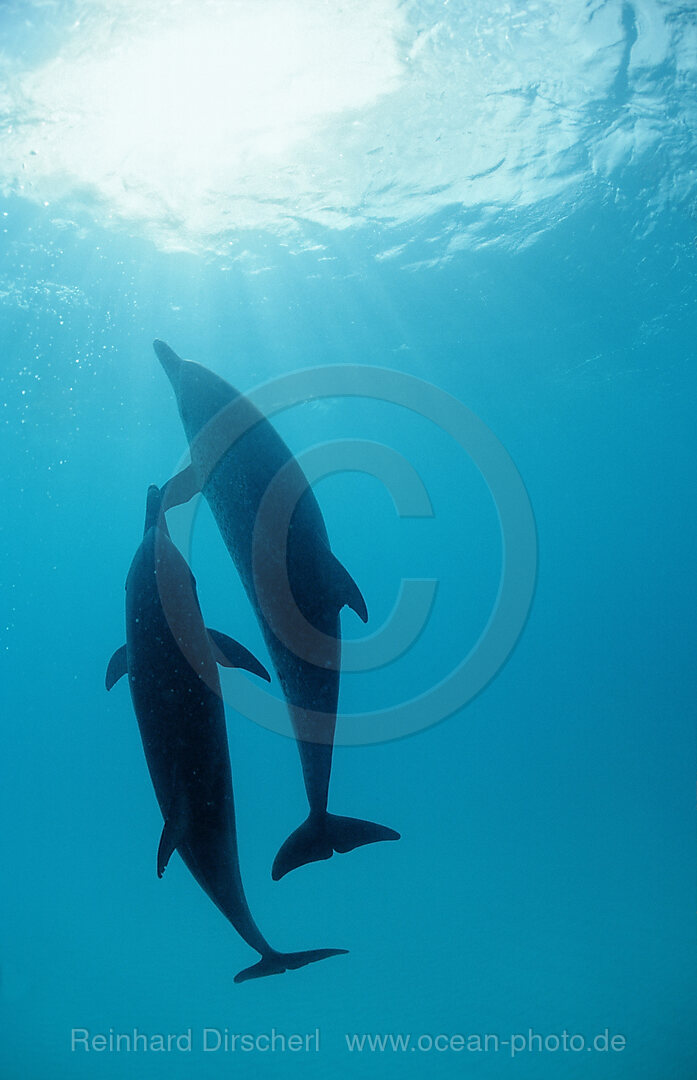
(201, 98)
(205, 99)
(194, 122)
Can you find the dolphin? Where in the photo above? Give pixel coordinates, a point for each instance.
(170, 659)
(273, 527)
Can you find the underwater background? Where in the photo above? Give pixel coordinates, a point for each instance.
(500, 200)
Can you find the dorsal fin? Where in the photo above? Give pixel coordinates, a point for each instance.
(172, 836)
(344, 588)
(118, 667)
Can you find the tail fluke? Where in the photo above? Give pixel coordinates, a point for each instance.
(309, 843)
(347, 833)
(277, 963)
(319, 837)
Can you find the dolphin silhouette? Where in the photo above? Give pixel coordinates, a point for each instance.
(170, 659)
(273, 527)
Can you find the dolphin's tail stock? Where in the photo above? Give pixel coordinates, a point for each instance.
(278, 962)
(320, 836)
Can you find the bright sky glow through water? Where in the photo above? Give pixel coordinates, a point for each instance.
(193, 122)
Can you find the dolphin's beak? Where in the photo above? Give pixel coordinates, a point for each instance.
(169, 360)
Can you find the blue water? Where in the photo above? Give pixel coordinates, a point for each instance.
(545, 877)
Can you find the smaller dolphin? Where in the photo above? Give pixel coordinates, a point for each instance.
(170, 659)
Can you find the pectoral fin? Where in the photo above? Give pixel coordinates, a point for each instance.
(345, 589)
(229, 653)
(118, 666)
(169, 841)
(180, 489)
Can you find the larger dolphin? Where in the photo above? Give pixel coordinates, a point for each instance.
(273, 528)
(170, 659)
